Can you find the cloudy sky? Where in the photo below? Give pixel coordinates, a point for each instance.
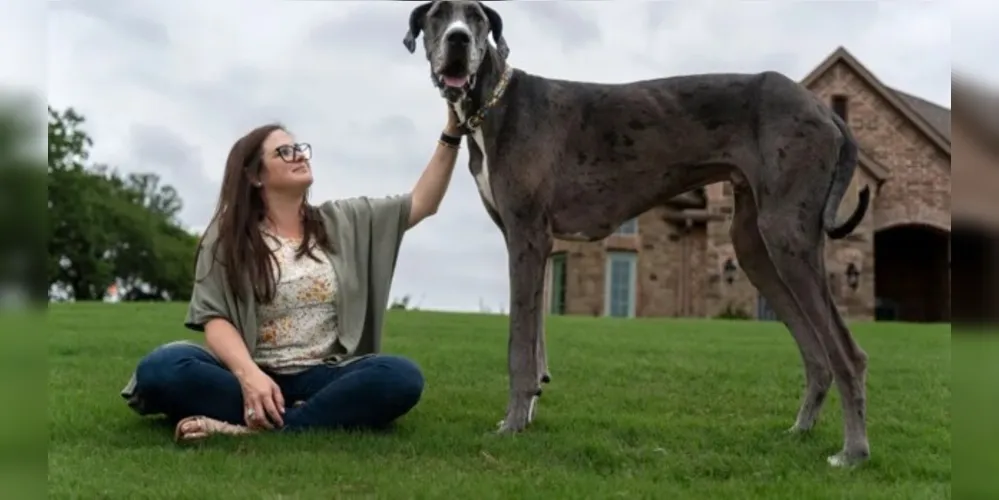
(168, 86)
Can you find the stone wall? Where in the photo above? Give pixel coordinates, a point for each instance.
(671, 270)
(740, 295)
(858, 249)
(584, 277)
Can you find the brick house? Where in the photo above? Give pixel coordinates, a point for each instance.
(677, 260)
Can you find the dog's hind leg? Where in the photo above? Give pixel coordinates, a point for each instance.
(755, 262)
(852, 362)
(797, 258)
(801, 163)
(528, 247)
(790, 224)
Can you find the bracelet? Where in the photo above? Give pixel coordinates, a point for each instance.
(450, 141)
(449, 146)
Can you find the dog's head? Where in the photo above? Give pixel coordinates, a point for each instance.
(455, 38)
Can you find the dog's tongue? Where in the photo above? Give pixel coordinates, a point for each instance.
(455, 81)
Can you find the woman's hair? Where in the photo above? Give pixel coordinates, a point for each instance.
(239, 213)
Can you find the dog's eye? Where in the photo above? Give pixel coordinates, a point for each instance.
(473, 14)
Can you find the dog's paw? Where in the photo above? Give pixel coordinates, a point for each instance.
(846, 459)
(518, 417)
(797, 430)
(510, 426)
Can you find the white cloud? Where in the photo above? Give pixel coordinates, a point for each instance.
(168, 86)
(975, 38)
(22, 48)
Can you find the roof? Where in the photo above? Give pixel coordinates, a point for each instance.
(938, 116)
(932, 120)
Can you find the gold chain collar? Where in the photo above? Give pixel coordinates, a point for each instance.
(473, 122)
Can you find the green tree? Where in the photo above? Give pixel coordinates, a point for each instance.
(78, 207)
(106, 226)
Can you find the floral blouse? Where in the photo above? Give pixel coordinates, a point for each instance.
(298, 328)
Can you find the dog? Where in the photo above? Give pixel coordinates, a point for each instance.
(573, 160)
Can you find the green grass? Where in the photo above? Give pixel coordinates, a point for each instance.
(637, 409)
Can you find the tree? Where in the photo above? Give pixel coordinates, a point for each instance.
(77, 235)
(145, 189)
(106, 227)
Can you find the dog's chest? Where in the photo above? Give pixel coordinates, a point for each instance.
(482, 176)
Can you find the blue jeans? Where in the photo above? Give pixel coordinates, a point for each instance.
(182, 380)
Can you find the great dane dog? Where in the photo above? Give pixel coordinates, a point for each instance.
(573, 160)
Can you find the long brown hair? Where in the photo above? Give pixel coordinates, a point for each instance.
(238, 215)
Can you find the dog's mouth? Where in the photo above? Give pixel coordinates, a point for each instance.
(453, 87)
(455, 76)
(457, 82)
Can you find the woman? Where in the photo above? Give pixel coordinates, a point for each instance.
(290, 297)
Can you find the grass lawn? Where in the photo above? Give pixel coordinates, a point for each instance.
(636, 409)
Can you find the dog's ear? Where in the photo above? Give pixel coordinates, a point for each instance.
(416, 19)
(496, 26)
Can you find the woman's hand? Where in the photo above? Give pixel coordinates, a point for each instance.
(262, 398)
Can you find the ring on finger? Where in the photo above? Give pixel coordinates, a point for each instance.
(250, 413)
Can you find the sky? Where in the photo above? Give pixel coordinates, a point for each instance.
(167, 87)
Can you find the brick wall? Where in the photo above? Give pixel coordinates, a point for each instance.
(584, 277)
(740, 295)
(671, 271)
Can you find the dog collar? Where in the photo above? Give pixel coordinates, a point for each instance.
(473, 122)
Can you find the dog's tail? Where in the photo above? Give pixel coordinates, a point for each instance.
(842, 176)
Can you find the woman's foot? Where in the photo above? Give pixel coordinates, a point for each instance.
(199, 427)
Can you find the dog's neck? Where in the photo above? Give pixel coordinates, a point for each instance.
(488, 77)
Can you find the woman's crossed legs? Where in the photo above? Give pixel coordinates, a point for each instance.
(186, 383)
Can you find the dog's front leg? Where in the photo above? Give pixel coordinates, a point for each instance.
(528, 250)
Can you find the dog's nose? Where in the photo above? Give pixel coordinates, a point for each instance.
(459, 37)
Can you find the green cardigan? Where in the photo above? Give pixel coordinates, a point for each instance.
(366, 234)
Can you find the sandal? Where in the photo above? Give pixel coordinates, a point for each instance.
(200, 427)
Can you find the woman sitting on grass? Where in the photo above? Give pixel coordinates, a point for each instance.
(291, 298)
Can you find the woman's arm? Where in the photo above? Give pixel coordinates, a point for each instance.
(226, 343)
(430, 189)
(260, 392)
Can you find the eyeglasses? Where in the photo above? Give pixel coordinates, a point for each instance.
(287, 152)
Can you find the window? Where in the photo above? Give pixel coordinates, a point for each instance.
(557, 290)
(839, 106)
(629, 227)
(619, 296)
